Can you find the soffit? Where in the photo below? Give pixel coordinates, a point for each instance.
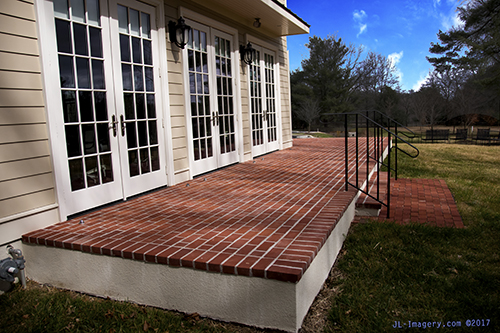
(276, 20)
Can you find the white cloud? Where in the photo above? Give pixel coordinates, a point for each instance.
(451, 20)
(420, 83)
(358, 16)
(362, 28)
(395, 58)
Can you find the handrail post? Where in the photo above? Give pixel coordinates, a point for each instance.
(389, 186)
(396, 153)
(346, 156)
(357, 153)
(367, 151)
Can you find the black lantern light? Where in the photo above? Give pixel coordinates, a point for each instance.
(179, 32)
(247, 53)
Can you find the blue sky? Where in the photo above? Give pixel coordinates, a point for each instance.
(399, 29)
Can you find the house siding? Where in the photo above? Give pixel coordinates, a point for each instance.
(27, 186)
(26, 174)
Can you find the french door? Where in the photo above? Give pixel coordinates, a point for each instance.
(263, 102)
(109, 109)
(212, 106)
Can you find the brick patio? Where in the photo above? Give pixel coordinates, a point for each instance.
(425, 201)
(265, 218)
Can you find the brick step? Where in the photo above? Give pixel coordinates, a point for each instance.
(367, 206)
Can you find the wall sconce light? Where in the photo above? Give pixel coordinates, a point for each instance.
(257, 23)
(179, 32)
(247, 53)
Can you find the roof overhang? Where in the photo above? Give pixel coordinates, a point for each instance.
(275, 18)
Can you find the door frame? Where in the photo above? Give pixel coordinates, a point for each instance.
(263, 45)
(211, 24)
(53, 107)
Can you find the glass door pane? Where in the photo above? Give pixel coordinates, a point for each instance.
(270, 112)
(256, 101)
(83, 93)
(202, 118)
(140, 122)
(225, 108)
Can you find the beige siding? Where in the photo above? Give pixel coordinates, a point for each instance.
(26, 176)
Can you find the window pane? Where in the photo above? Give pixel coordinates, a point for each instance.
(127, 77)
(151, 106)
(125, 48)
(80, 39)
(131, 136)
(143, 133)
(78, 10)
(85, 102)
(89, 143)
(103, 137)
(76, 174)
(83, 72)
(66, 72)
(98, 74)
(122, 19)
(61, 8)
(136, 50)
(95, 42)
(69, 106)
(146, 25)
(92, 170)
(106, 169)
(153, 136)
(145, 160)
(148, 57)
(134, 22)
(203, 41)
(73, 140)
(128, 100)
(63, 36)
(155, 159)
(93, 12)
(101, 112)
(150, 86)
(133, 163)
(140, 106)
(138, 79)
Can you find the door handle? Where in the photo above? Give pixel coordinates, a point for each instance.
(122, 124)
(264, 114)
(113, 124)
(215, 118)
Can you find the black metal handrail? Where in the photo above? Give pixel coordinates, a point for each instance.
(379, 132)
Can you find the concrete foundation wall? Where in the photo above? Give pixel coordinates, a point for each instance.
(249, 300)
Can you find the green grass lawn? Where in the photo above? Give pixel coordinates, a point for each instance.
(393, 275)
(386, 274)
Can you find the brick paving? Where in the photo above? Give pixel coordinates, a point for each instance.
(265, 218)
(426, 201)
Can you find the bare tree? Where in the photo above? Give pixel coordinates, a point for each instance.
(308, 111)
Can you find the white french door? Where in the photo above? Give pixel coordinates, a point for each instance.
(210, 67)
(103, 104)
(263, 102)
(138, 106)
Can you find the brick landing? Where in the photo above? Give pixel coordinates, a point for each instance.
(426, 201)
(264, 218)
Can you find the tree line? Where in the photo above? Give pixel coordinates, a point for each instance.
(464, 82)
